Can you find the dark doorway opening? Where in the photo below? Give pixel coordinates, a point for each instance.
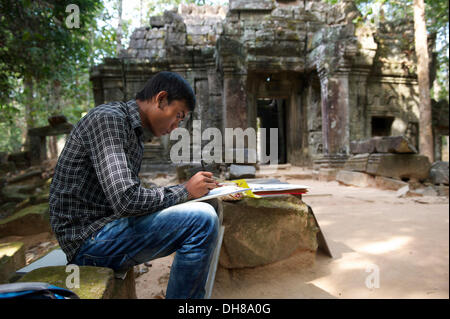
(381, 125)
(271, 113)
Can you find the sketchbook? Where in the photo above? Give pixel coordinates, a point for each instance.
(276, 187)
(220, 191)
(275, 190)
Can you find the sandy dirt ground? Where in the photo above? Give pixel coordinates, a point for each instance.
(383, 247)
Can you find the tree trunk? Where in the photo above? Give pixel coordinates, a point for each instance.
(421, 44)
(29, 116)
(55, 97)
(119, 28)
(52, 143)
(55, 109)
(140, 14)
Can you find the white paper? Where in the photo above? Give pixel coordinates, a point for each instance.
(221, 191)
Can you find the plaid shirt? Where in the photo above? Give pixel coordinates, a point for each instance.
(96, 177)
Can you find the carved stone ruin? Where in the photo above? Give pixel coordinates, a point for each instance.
(308, 68)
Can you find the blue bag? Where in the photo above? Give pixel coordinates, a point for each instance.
(35, 290)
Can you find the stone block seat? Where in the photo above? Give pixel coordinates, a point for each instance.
(94, 282)
(260, 231)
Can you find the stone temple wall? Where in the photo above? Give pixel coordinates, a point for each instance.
(333, 77)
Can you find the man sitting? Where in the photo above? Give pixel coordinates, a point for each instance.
(101, 214)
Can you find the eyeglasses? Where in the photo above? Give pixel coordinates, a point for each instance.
(183, 119)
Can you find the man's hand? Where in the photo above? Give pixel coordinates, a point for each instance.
(200, 184)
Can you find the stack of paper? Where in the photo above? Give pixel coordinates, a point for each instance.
(266, 190)
(255, 190)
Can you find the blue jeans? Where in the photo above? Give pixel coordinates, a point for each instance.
(189, 229)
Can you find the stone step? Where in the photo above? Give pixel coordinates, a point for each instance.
(389, 183)
(36, 172)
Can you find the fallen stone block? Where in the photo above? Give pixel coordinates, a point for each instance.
(442, 190)
(362, 147)
(12, 257)
(394, 144)
(405, 191)
(355, 179)
(94, 282)
(439, 173)
(13, 194)
(30, 174)
(399, 166)
(389, 183)
(383, 144)
(263, 231)
(426, 191)
(27, 221)
(20, 192)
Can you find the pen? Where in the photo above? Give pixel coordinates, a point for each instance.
(204, 169)
(203, 164)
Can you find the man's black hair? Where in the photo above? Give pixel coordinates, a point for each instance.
(171, 82)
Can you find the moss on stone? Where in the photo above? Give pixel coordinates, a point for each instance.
(34, 209)
(95, 282)
(289, 203)
(9, 249)
(265, 230)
